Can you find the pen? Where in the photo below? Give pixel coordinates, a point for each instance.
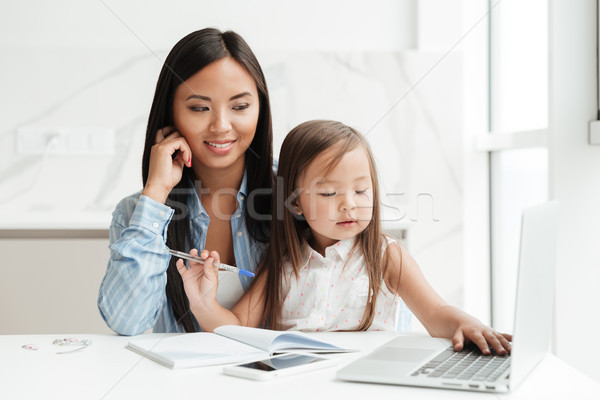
(221, 266)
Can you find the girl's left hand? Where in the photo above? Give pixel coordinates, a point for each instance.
(483, 336)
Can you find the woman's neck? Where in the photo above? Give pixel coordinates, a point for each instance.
(214, 180)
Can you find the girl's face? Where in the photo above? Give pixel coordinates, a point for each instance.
(340, 205)
(216, 111)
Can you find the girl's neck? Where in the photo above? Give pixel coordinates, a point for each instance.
(320, 243)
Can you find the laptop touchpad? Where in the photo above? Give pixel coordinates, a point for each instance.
(401, 354)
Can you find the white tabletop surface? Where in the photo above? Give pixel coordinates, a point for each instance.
(106, 370)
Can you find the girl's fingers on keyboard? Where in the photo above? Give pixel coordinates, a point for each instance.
(481, 342)
(494, 342)
(505, 342)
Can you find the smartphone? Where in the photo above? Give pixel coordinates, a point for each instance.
(279, 366)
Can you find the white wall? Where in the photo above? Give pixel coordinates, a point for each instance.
(575, 181)
(266, 24)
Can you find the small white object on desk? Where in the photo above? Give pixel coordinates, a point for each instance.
(594, 133)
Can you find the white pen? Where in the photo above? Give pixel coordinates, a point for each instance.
(221, 266)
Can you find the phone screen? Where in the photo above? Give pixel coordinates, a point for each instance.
(278, 363)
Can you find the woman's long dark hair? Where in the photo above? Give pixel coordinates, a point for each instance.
(188, 56)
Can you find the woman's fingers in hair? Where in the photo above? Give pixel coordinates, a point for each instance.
(162, 133)
(176, 147)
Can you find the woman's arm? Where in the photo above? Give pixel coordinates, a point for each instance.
(403, 277)
(132, 295)
(201, 281)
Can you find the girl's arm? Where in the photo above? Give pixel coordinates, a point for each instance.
(403, 276)
(201, 282)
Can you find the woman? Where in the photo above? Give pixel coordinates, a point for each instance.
(208, 147)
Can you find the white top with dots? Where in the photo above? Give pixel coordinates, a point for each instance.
(331, 293)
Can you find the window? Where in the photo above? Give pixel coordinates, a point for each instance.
(517, 141)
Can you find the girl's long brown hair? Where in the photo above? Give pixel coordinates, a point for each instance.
(301, 146)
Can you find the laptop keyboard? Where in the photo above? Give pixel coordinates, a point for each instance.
(467, 364)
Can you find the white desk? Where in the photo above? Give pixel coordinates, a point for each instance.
(106, 370)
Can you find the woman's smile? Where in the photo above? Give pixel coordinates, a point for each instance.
(220, 147)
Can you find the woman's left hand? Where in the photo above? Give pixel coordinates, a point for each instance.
(201, 281)
(483, 336)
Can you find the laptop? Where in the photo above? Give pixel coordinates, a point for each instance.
(432, 362)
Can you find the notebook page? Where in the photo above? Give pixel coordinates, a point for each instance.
(194, 349)
(273, 341)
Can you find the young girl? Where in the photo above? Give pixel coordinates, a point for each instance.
(208, 145)
(328, 266)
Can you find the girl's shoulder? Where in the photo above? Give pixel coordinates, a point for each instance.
(392, 251)
(392, 263)
(387, 240)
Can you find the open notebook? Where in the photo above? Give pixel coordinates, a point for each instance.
(229, 344)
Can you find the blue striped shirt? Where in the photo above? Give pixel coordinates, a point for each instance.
(132, 296)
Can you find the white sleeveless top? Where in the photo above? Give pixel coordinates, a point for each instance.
(331, 293)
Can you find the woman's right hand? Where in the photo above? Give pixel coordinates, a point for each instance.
(165, 171)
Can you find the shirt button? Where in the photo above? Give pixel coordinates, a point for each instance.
(239, 233)
(155, 224)
(242, 197)
(162, 213)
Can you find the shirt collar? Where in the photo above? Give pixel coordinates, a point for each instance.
(342, 249)
(243, 192)
(195, 206)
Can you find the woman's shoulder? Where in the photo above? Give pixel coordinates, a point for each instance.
(128, 204)
(125, 208)
(129, 200)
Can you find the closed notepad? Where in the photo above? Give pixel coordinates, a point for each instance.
(229, 344)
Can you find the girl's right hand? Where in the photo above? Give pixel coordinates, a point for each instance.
(165, 171)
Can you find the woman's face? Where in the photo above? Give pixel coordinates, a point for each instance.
(216, 111)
